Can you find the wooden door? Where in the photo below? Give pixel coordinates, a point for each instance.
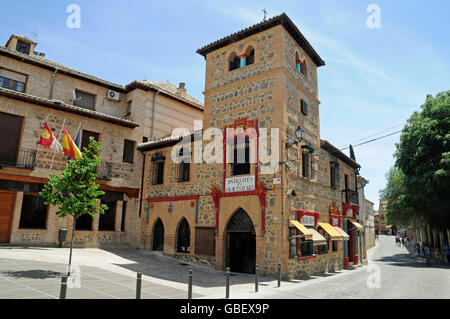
(7, 201)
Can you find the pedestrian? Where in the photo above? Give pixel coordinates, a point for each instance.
(447, 252)
(418, 249)
(427, 254)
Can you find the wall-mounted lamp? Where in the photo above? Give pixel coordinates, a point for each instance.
(297, 139)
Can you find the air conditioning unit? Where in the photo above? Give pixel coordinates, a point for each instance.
(113, 95)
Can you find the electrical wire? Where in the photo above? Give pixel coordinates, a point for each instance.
(373, 134)
(372, 140)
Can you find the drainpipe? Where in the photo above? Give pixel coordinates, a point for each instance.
(153, 114)
(53, 83)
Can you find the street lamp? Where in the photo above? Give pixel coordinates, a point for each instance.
(297, 139)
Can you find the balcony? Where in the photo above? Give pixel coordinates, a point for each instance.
(350, 197)
(104, 171)
(22, 158)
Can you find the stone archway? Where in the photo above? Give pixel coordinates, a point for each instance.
(241, 243)
(158, 236)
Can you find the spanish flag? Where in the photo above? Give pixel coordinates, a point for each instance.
(48, 140)
(69, 147)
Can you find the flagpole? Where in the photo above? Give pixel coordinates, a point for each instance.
(54, 154)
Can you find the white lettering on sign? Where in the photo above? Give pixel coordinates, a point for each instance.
(240, 184)
(307, 220)
(350, 213)
(335, 221)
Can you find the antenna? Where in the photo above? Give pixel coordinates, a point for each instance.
(265, 14)
(33, 33)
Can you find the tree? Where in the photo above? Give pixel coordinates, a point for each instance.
(75, 192)
(421, 184)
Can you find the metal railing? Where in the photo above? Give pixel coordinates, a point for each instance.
(350, 196)
(21, 158)
(104, 171)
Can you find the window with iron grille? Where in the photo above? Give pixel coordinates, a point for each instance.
(157, 169)
(84, 100)
(205, 241)
(128, 151)
(237, 167)
(304, 107)
(23, 47)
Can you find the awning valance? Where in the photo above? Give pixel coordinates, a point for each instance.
(343, 233)
(334, 234)
(357, 225)
(317, 238)
(305, 231)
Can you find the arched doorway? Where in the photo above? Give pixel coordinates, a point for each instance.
(158, 236)
(241, 243)
(184, 237)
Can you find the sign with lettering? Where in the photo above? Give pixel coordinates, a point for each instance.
(335, 221)
(240, 184)
(307, 220)
(350, 213)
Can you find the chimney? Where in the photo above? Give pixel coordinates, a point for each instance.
(181, 89)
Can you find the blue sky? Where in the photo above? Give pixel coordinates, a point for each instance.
(372, 81)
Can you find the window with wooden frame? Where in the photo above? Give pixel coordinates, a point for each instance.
(12, 80)
(157, 169)
(84, 100)
(128, 151)
(307, 162)
(23, 47)
(205, 241)
(34, 212)
(183, 169)
(334, 175)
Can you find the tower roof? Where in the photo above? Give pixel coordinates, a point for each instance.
(282, 19)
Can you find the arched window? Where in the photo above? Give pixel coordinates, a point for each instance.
(304, 68)
(250, 52)
(184, 237)
(298, 63)
(234, 62)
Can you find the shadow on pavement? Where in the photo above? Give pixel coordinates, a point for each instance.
(33, 274)
(168, 268)
(408, 260)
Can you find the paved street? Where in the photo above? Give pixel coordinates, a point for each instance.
(402, 276)
(36, 273)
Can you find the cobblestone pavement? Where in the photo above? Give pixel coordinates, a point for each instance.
(35, 272)
(402, 275)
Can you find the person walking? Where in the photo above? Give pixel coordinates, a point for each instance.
(427, 254)
(447, 252)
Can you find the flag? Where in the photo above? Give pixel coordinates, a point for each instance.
(48, 140)
(69, 147)
(78, 138)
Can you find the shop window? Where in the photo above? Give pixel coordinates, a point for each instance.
(107, 220)
(335, 245)
(307, 248)
(205, 241)
(84, 100)
(34, 212)
(234, 62)
(293, 242)
(128, 151)
(184, 237)
(241, 158)
(84, 222)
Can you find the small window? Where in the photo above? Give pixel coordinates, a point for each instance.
(334, 174)
(23, 47)
(128, 151)
(304, 107)
(84, 100)
(183, 169)
(234, 62)
(303, 68)
(12, 80)
(305, 164)
(157, 170)
(251, 57)
(34, 212)
(107, 220)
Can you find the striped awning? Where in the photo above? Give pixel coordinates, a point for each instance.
(305, 231)
(334, 234)
(345, 236)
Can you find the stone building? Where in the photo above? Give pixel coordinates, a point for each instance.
(239, 214)
(35, 90)
(384, 229)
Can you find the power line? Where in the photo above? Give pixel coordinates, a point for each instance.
(374, 134)
(372, 140)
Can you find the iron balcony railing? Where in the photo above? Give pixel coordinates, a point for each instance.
(350, 196)
(20, 158)
(104, 171)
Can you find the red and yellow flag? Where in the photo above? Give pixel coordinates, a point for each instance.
(70, 148)
(48, 140)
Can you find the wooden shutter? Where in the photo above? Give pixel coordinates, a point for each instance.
(85, 138)
(10, 127)
(205, 241)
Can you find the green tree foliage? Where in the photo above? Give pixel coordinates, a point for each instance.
(422, 180)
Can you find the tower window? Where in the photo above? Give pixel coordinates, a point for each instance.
(239, 167)
(23, 47)
(250, 56)
(234, 62)
(304, 107)
(303, 69)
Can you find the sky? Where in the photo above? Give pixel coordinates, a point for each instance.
(373, 80)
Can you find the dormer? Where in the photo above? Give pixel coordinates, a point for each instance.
(21, 44)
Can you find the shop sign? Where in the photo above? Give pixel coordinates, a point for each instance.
(240, 184)
(307, 220)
